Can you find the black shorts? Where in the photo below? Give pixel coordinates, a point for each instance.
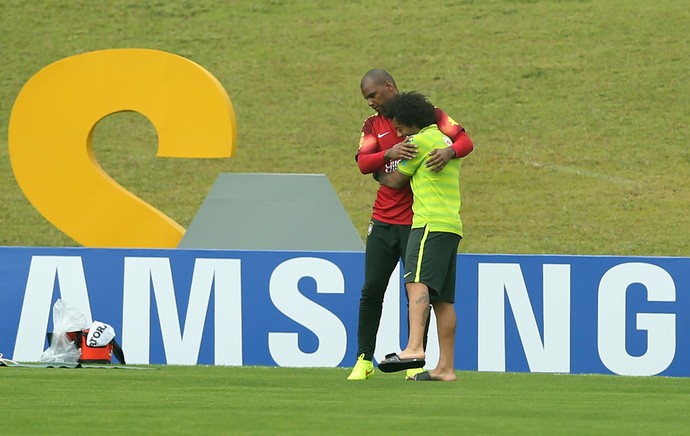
(431, 259)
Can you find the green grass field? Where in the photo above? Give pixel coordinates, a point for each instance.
(579, 112)
(578, 108)
(251, 400)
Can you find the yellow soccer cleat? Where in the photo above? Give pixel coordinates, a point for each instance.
(409, 375)
(363, 369)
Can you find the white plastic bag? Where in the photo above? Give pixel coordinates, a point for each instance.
(65, 319)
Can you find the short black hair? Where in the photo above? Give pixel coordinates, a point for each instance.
(379, 77)
(411, 109)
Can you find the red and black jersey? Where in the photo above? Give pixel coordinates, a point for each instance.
(394, 206)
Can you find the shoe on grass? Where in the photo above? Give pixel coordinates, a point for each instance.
(411, 373)
(363, 369)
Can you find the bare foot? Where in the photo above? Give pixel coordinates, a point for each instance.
(411, 354)
(438, 375)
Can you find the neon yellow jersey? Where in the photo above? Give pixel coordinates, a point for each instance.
(436, 195)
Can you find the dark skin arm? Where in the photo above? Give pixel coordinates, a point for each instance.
(439, 157)
(393, 180)
(401, 150)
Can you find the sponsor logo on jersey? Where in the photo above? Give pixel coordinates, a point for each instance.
(392, 166)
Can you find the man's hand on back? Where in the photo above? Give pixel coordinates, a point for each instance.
(401, 150)
(439, 157)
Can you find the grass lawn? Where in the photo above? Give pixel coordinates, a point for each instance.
(578, 108)
(263, 400)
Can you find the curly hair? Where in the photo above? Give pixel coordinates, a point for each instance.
(411, 109)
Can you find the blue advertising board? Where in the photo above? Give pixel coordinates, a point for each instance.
(517, 313)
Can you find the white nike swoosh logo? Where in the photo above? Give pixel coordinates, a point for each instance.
(381, 135)
(407, 274)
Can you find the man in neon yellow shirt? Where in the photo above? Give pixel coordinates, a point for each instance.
(430, 260)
